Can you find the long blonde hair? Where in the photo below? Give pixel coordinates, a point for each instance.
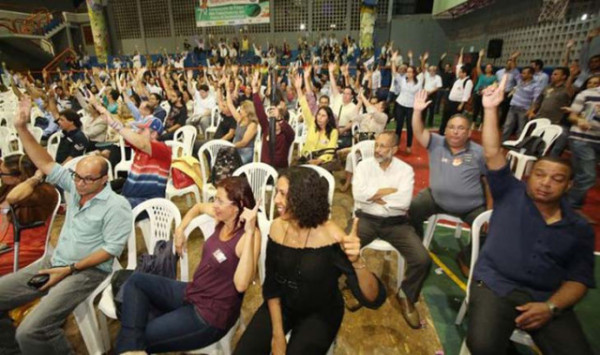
(248, 107)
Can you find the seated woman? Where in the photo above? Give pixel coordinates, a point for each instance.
(196, 314)
(322, 136)
(306, 255)
(34, 201)
(247, 126)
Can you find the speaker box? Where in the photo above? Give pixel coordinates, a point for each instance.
(494, 48)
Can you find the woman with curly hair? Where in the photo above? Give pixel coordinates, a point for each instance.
(322, 134)
(306, 254)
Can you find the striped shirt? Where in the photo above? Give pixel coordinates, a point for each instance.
(149, 173)
(587, 103)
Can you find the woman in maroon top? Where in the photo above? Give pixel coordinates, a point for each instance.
(196, 314)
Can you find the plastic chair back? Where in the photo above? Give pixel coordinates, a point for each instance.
(259, 175)
(366, 149)
(186, 135)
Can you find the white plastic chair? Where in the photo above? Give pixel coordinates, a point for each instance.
(521, 163)
(209, 150)
(432, 223)
(215, 119)
(165, 105)
(527, 131)
(171, 191)
(37, 133)
(366, 149)
(259, 175)
(53, 142)
(518, 336)
(207, 225)
(186, 135)
(257, 144)
(327, 175)
(125, 164)
(177, 149)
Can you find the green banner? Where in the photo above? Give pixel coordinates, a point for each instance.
(232, 12)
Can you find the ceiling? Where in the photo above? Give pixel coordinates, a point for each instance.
(463, 9)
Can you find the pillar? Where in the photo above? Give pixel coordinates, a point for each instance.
(99, 29)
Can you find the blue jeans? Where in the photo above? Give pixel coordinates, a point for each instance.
(584, 159)
(178, 327)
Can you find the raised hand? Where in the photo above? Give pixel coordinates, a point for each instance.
(298, 83)
(351, 243)
(421, 101)
(481, 53)
(22, 119)
(410, 53)
(248, 217)
(443, 56)
(493, 95)
(331, 67)
(255, 81)
(190, 74)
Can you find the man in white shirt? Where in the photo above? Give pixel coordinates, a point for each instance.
(343, 108)
(432, 82)
(204, 103)
(458, 97)
(382, 189)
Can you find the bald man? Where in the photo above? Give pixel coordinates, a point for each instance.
(96, 227)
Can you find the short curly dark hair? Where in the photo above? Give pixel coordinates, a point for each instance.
(307, 196)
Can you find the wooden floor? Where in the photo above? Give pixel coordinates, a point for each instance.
(365, 331)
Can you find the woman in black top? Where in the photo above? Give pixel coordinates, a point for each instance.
(306, 254)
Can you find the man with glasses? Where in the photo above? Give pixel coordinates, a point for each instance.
(382, 190)
(456, 171)
(96, 227)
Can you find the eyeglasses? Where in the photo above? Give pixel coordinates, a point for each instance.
(457, 128)
(9, 174)
(86, 180)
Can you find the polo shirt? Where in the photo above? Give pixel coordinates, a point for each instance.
(72, 144)
(455, 179)
(523, 252)
(551, 100)
(104, 222)
(149, 174)
(407, 91)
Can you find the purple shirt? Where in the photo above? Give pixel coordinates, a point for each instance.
(212, 290)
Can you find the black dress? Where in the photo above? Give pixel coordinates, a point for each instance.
(306, 281)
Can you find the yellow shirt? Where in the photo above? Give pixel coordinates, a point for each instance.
(315, 139)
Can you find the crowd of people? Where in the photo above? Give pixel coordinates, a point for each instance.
(536, 262)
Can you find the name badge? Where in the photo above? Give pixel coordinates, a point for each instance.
(457, 161)
(219, 255)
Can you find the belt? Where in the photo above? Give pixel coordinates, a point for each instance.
(392, 220)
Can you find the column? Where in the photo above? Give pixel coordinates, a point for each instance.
(99, 29)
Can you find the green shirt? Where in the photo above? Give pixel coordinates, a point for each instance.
(104, 222)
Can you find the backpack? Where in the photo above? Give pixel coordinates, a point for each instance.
(226, 162)
(162, 263)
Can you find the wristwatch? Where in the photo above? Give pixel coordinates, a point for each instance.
(553, 308)
(73, 268)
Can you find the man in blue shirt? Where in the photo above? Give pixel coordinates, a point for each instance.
(96, 227)
(538, 259)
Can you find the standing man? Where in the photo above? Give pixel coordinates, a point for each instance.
(538, 260)
(96, 227)
(522, 104)
(432, 83)
(382, 190)
(459, 94)
(512, 73)
(540, 78)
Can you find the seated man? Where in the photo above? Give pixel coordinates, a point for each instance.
(456, 171)
(73, 142)
(382, 190)
(96, 227)
(538, 260)
(150, 169)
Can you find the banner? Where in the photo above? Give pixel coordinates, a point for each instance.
(232, 12)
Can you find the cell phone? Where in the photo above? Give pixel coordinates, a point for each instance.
(38, 281)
